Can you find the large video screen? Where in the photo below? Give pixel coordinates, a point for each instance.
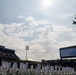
(68, 52)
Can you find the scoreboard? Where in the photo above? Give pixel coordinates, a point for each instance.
(68, 52)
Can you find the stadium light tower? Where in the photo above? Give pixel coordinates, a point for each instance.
(26, 48)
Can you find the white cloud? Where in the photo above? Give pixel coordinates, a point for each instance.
(43, 38)
(21, 17)
(29, 19)
(61, 28)
(1, 27)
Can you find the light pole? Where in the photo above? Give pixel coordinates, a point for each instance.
(26, 48)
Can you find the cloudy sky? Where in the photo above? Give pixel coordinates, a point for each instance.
(43, 25)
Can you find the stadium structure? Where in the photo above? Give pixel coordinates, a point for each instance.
(13, 64)
(67, 55)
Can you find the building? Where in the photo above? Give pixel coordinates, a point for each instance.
(67, 58)
(10, 56)
(7, 54)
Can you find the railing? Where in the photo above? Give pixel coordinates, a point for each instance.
(6, 69)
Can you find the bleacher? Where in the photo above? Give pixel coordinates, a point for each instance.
(9, 54)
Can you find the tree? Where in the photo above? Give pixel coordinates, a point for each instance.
(74, 22)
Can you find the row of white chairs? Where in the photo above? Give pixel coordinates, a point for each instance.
(6, 68)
